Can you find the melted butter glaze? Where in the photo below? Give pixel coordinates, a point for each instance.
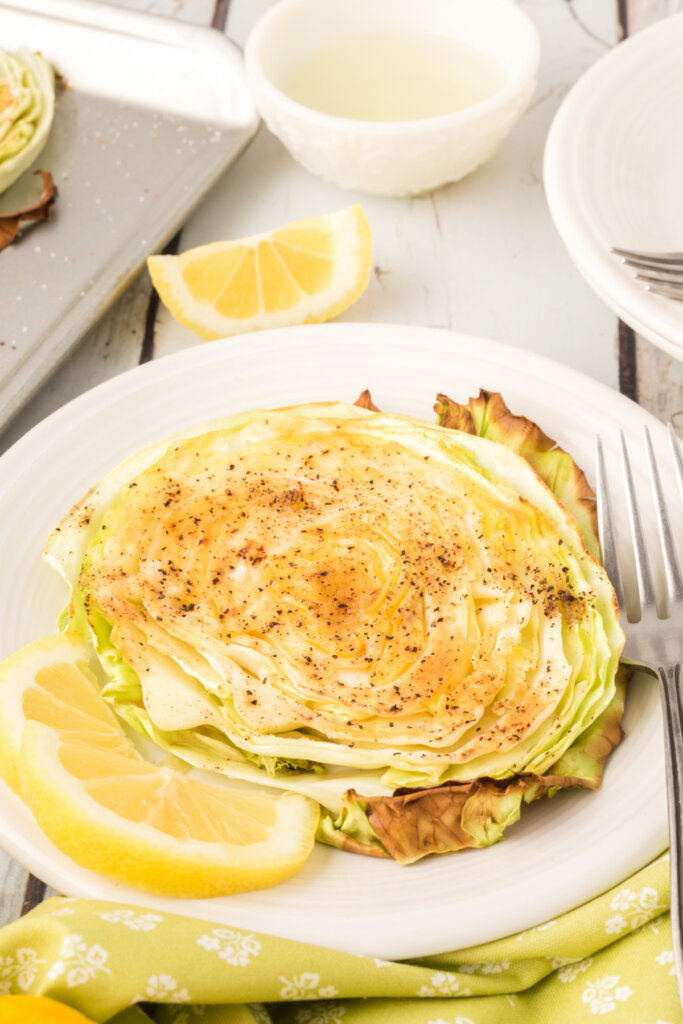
(346, 586)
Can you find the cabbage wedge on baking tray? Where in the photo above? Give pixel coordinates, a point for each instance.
(405, 622)
(27, 104)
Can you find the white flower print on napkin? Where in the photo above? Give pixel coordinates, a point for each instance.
(19, 970)
(306, 986)
(79, 961)
(162, 988)
(634, 910)
(443, 983)
(570, 972)
(136, 922)
(667, 957)
(232, 946)
(493, 967)
(603, 995)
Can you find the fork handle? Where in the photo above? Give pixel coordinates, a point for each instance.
(670, 679)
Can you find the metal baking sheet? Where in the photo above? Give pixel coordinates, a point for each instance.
(151, 114)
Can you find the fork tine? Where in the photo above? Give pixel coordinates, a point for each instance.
(646, 590)
(643, 263)
(657, 284)
(659, 275)
(671, 565)
(605, 525)
(655, 258)
(668, 291)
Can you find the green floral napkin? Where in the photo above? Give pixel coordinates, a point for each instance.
(610, 958)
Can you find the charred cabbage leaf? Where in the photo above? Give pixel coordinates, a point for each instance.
(10, 223)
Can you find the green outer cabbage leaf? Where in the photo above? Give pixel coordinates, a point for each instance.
(27, 103)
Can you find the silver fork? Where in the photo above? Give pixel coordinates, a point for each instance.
(654, 641)
(660, 272)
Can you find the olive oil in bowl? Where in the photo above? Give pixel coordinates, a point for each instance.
(398, 76)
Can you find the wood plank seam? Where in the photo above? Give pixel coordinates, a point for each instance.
(147, 346)
(220, 15)
(626, 339)
(34, 893)
(628, 362)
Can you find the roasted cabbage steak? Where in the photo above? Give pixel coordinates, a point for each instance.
(405, 621)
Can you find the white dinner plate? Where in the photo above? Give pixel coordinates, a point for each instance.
(563, 851)
(614, 173)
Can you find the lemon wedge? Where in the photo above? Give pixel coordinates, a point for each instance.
(304, 272)
(112, 811)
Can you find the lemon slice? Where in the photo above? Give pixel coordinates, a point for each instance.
(304, 272)
(111, 810)
(49, 681)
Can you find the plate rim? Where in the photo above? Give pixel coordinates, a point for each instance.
(273, 337)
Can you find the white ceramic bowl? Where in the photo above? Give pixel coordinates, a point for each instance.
(392, 157)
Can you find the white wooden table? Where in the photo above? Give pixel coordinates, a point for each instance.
(481, 257)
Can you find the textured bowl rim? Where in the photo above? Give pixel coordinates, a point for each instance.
(525, 74)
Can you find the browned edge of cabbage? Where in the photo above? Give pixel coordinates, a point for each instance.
(364, 401)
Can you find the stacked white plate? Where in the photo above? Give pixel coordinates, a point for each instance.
(614, 173)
